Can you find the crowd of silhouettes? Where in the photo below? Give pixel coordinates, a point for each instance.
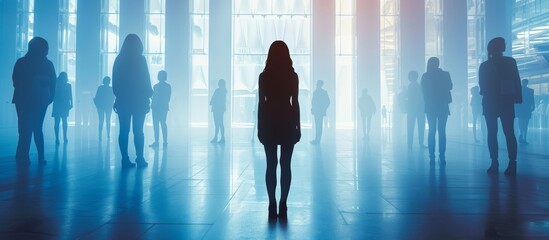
(499, 95)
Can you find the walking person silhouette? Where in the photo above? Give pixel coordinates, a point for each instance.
(62, 104)
(436, 85)
(104, 101)
(131, 84)
(499, 83)
(34, 82)
(278, 122)
(367, 109)
(219, 105)
(319, 105)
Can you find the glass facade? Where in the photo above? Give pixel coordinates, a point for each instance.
(390, 52)
(530, 48)
(476, 39)
(345, 63)
(155, 36)
(433, 31)
(25, 26)
(67, 39)
(198, 102)
(109, 25)
(256, 24)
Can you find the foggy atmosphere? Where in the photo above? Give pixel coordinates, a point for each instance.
(274, 119)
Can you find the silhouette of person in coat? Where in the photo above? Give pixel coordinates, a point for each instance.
(104, 101)
(34, 82)
(436, 85)
(278, 121)
(160, 106)
(219, 105)
(524, 111)
(367, 109)
(415, 110)
(319, 105)
(500, 88)
(62, 104)
(131, 84)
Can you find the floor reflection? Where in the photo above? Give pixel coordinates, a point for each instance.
(345, 188)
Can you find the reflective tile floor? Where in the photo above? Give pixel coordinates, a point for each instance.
(344, 188)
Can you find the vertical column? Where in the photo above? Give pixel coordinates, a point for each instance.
(323, 58)
(46, 22)
(455, 57)
(499, 21)
(8, 19)
(177, 60)
(219, 60)
(412, 35)
(368, 53)
(87, 58)
(132, 19)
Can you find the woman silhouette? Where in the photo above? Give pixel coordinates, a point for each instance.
(62, 104)
(34, 88)
(278, 121)
(131, 84)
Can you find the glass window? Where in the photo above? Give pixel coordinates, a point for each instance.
(25, 26)
(155, 36)
(199, 62)
(433, 30)
(67, 39)
(345, 63)
(256, 24)
(390, 54)
(110, 15)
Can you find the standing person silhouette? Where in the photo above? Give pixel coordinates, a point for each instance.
(500, 88)
(524, 111)
(160, 106)
(436, 85)
(104, 101)
(278, 121)
(62, 104)
(367, 109)
(34, 82)
(218, 103)
(415, 109)
(476, 109)
(319, 105)
(131, 85)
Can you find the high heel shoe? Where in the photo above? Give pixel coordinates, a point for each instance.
(283, 212)
(272, 212)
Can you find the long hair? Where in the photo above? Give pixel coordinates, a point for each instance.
(62, 78)
(132, 45)
(278, 58)
(38, 48)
